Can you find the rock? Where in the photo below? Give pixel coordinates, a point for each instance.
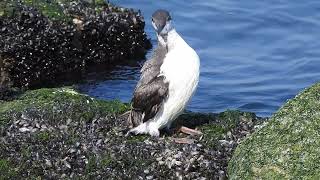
(24, 129)
(287, 146)
(42, 44)
(85, 140)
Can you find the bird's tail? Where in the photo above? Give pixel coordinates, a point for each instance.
(135, 118)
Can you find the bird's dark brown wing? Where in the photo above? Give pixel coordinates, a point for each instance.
(151, 89)
(148, 98)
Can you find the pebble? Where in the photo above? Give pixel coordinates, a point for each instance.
(67, 164)
(146, 171)
(48, 163)
(178, 163)
(149, 177)
(24, 129)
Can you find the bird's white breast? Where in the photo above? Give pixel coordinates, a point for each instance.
(181, 69)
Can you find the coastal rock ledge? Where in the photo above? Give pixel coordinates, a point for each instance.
(61, 134)
(45, 42)
(287, 147)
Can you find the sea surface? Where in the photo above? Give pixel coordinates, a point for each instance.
(254, 54)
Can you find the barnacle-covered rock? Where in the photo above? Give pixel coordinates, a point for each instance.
(43, 43)
(59, 133)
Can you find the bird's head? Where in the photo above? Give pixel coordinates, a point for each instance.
(161, 21)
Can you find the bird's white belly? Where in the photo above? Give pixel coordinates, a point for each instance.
(181, 70)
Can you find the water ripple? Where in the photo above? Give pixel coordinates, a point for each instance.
(254, 55)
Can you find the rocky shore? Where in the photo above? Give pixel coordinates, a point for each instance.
(46, 42)
(59, 133)
(287, 147)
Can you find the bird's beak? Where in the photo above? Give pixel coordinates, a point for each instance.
(159, 28)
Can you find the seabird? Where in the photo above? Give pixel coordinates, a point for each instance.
(167, 82)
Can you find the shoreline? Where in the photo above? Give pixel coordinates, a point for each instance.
(59, 42)
(72, 126)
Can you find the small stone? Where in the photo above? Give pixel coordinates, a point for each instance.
(221, 173)
(178, 163)
(33, 129)
(200, 158)
(48, 163)
(146, 171)
(149, 177)
(63, 127)
(72, 150)
(194, 153)
(229, 134)
(67, 164)
(99, 142)
(177, 156)
(24, 129)
(199, 145)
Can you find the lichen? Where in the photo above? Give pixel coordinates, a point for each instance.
(287, 147)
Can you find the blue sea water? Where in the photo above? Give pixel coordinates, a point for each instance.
(254, 54)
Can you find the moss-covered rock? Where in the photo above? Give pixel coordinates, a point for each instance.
(59, 133)
(57, 105)
(42, 127)
(45, 42)
(287, 147)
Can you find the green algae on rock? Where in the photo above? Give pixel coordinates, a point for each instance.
(60, 104)
(49, 121)
(59, 133)
(287, 146)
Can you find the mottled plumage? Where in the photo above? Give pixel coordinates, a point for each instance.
(150, 91)
(167, 83)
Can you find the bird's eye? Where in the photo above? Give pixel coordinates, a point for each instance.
(169, 18)
(152, 20)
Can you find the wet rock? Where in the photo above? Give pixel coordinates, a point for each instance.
(42, 45)
(80, 139)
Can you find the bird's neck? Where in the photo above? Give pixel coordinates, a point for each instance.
(169, 40)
